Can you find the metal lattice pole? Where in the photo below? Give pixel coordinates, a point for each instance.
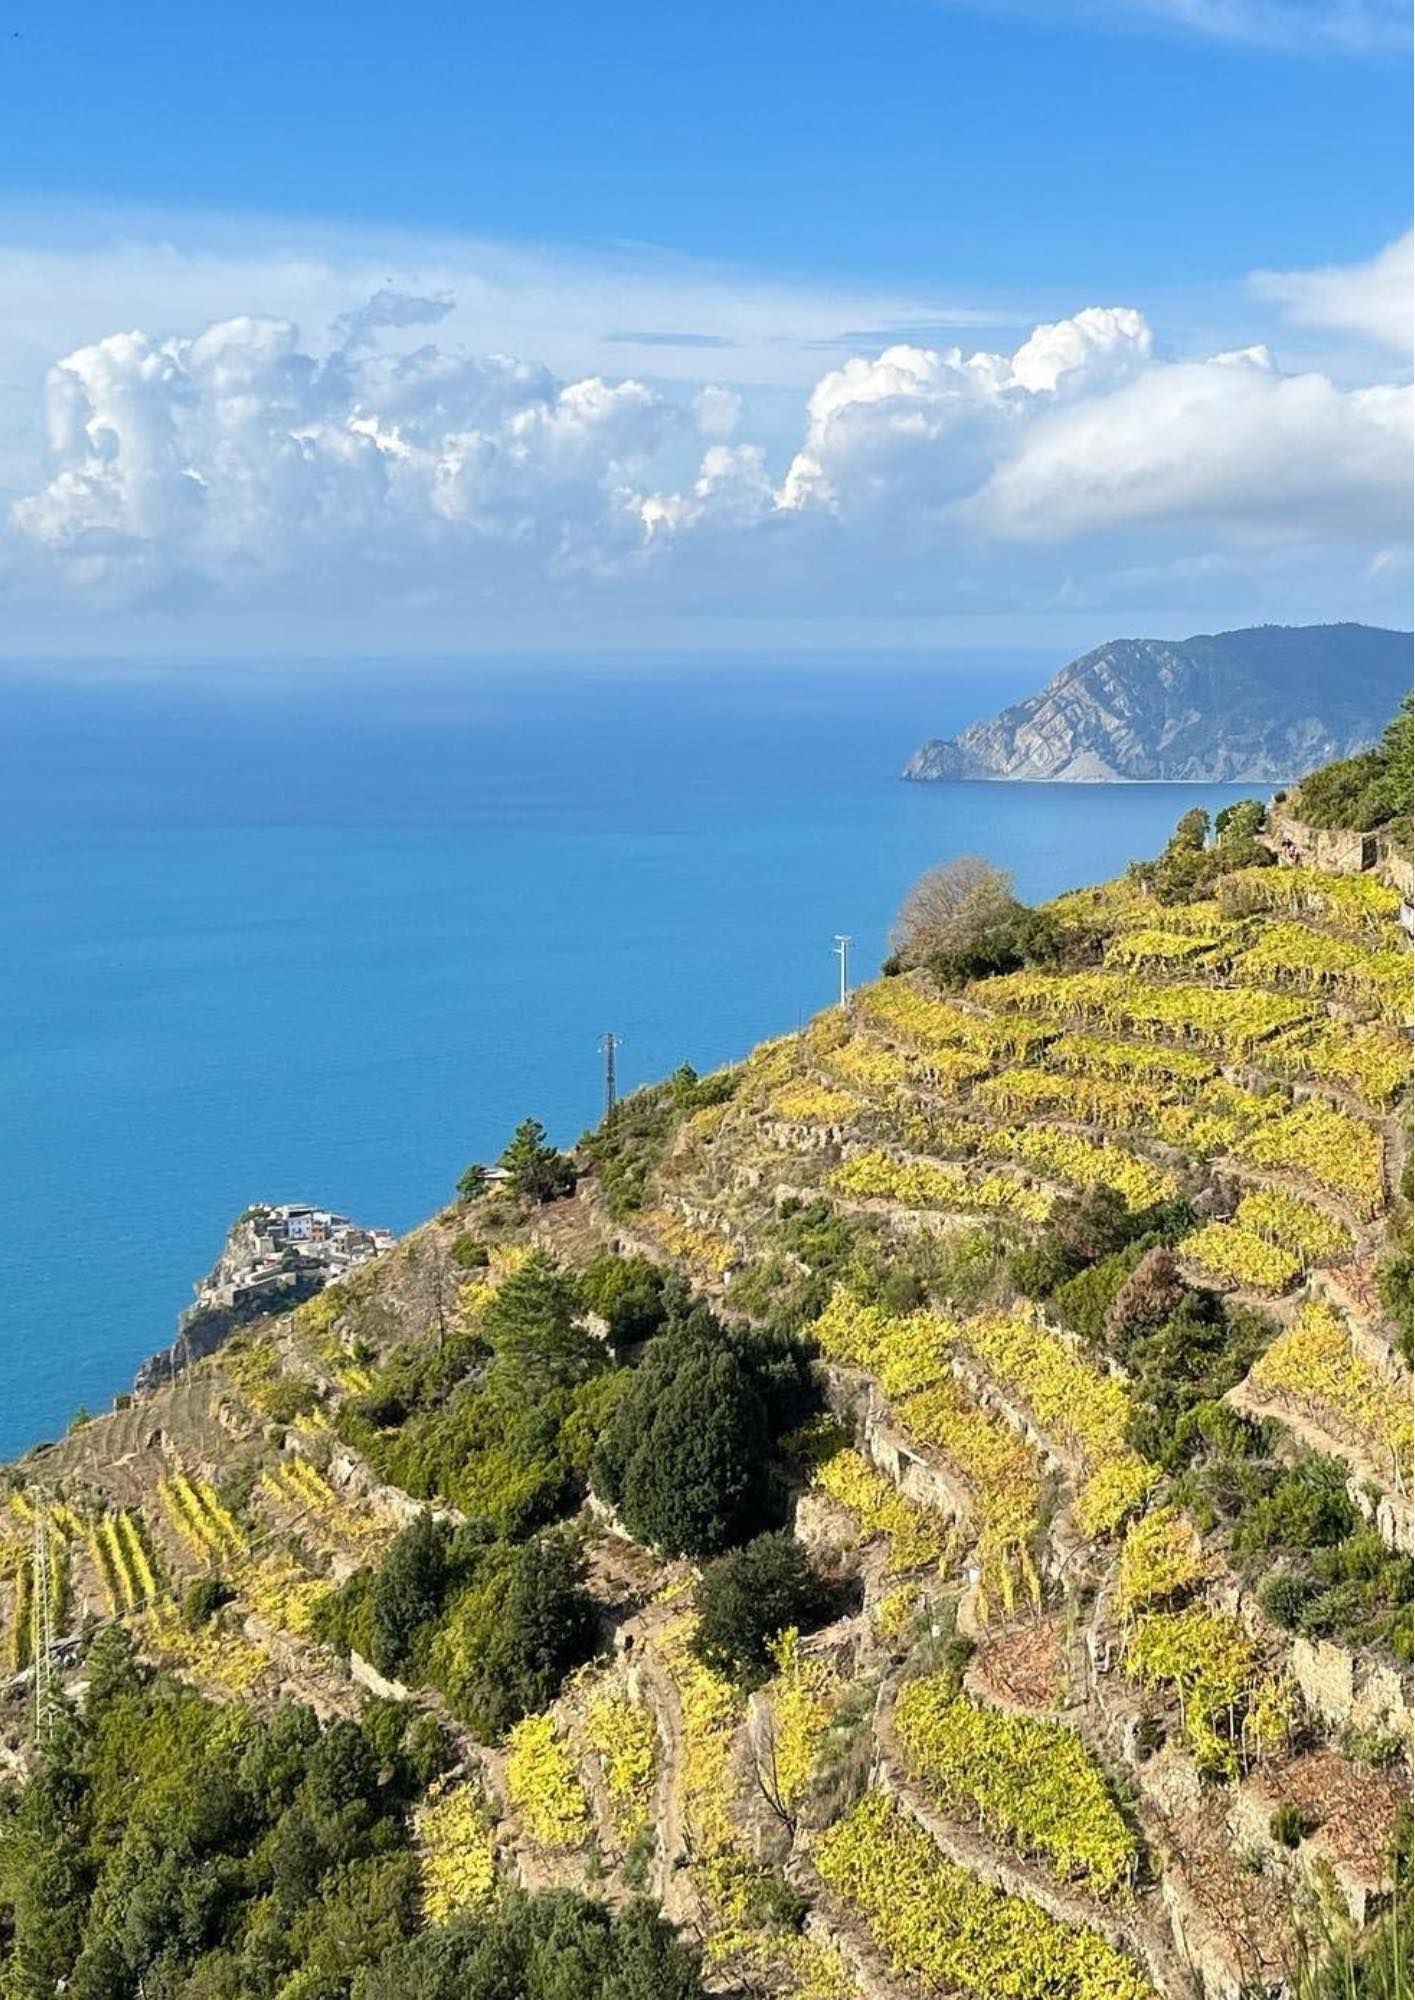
(609, 1043)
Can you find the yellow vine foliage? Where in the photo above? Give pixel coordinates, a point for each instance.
(1314, 1367)
(1029, 1783)
(1160, 1559)
(1235, 1255)
(623, 1734)
(801, 1698)
(917, 1538)
(544, 1783)
(809, 1103)
(456, 1850)
(1073, 1402)
(876, 1175)
(1335, 1150)
(1294, 1224)
(942, 1930)
(1215, 1668)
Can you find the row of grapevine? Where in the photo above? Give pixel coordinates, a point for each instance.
(1161, 1560)
(1031, 1784)
(1202, 1116)
(801, 1700)
(747, 1947)
(22, 1620)
(214, 1654)
(123, 1561)
(1231, 1710)
(1224, 1019)
(900, 1008)
(456, 1844)
(916, 1536)
(1230, 1254)
(295, 1484)
(706, 1250)
(1089, 1055)
(1337, 1152)
(806, 1102)
(911, 1356)
(1372, 1062)
(1003, 1478)
(1295, 1224)
(1073, 1402)
(1314, 1367)
(943, 1931)
(1152, 949)
(199, 1518)
(623, 1734)
(1082, 1162)
(877, 1176)
(1360, 905)
(1309, 961)
(543, 1779)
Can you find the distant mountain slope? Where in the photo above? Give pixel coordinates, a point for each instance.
(1264, 704)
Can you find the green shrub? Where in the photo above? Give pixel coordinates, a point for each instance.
(748, 1598)
(686, 1457)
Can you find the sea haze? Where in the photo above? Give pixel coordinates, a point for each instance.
(329, 933)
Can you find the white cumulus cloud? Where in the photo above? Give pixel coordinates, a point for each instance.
(200, 474)
(1376, 298)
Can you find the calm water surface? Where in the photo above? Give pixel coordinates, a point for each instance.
(329, 934)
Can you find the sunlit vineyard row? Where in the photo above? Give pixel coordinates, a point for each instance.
(1314, 1367)
(942, 1930)
(912, 1358)
(1030, 1783)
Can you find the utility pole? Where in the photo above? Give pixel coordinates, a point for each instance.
(842, 952)
(41, 1615)
(609, 1043)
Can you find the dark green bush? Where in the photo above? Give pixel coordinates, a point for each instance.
(748, 1598)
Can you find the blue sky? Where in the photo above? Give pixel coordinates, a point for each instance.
(722, 216)
(889, 138)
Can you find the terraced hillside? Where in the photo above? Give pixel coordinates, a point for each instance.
(1058, 1315)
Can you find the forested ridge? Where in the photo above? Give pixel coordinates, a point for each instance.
(923, 1512)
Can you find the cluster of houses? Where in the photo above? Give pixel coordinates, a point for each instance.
(287, 1246)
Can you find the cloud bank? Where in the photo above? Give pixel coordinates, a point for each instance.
(380, 464)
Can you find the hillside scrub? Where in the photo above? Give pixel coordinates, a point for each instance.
(496, 1626)
(748, 1598)
(554, 1946)
(171, 1844)
(1368, 791)
(1198, 854)
(962, 921)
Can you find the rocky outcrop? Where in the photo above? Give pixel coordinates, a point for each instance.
(1262, 705)
(274, 1258)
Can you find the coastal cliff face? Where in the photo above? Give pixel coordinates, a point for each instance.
(273, 1259)
(1256, 706)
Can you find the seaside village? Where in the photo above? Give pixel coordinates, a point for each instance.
(273, 1249)
(928, 1506)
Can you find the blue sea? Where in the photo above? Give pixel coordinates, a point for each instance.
(327, 933)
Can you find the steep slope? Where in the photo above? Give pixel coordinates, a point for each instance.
(1262, 704)
(1110, 1462)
